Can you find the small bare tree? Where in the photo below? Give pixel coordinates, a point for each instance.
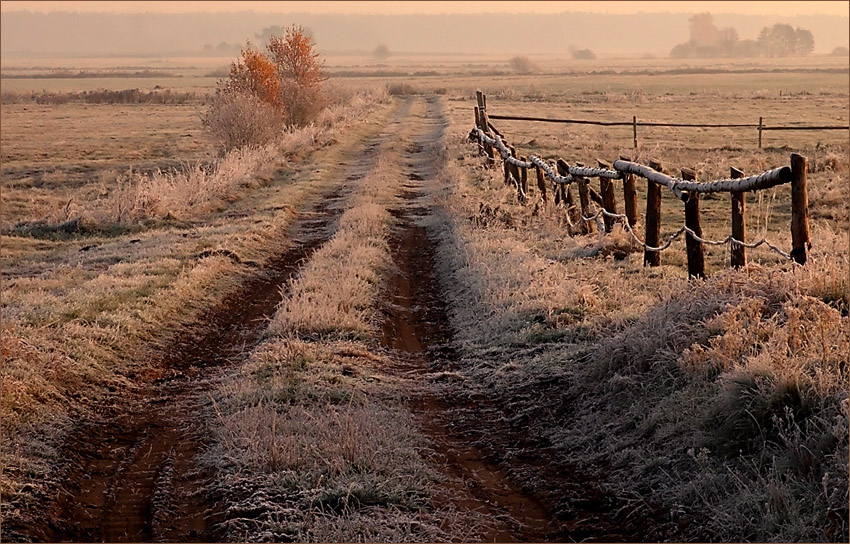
(381, 52)
(523, 65)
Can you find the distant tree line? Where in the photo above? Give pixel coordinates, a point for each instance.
(709, 41)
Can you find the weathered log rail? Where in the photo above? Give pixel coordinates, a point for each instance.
(687, 188)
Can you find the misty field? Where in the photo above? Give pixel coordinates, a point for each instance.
(356, 332)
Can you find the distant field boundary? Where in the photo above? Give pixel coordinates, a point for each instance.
(582, 218)
(82, 74)
(634, 123)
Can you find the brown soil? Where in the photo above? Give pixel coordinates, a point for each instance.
(416, 327)
(133, 475)
(492, 461)
(134, 478)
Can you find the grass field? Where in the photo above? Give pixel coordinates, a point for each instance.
(617, 400)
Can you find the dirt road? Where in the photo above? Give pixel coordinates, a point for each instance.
(135, 477)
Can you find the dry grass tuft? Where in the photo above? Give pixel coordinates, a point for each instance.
(334, 293)
(309, 447)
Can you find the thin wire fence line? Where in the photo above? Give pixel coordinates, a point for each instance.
(684, 229)
(661, 124)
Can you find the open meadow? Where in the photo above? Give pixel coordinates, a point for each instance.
(358, 331)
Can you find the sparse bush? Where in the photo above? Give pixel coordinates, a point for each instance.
(523, 65)
(301, 75)
(266, 93)
(840, 51)
(381, 52)
(583, 54)
(236, 119)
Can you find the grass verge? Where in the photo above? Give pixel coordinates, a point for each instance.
(717, 408)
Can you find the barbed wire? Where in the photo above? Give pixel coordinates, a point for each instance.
(684, 229)
(775, 176)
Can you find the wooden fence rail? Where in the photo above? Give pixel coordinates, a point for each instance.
(687, 188)
(634, 123)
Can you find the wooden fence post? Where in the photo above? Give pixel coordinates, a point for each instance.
(482, 111)
(609, 201)
(799, 208)
(630, 195)
(478, 125)
(634, 129)
(738, 254)
(541, 182)
(696, 258)
(584, 200)
(491, 154)
(653, 218)
(514, 169)
(523, 180)
(760, 130)
(484, 124)
(567, 197)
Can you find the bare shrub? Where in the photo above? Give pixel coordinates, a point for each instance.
(584, 54)
(523, 65)
(401, 89)
(237, 119)
(381, 52)
(302, 103)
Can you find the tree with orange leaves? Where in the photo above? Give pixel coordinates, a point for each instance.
(295, 59)
(254, 73)
(266, 93)
(300, 73)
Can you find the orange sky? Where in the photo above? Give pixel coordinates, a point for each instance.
(762, 7)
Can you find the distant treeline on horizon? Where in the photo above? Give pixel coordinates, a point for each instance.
(109, 34)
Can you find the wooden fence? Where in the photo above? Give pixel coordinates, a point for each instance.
(686, 188)
(634, 123)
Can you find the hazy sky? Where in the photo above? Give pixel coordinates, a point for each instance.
(781, 8)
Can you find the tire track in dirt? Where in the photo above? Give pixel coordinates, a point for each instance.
(494, 466)
(134, 476)
(416, 327)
